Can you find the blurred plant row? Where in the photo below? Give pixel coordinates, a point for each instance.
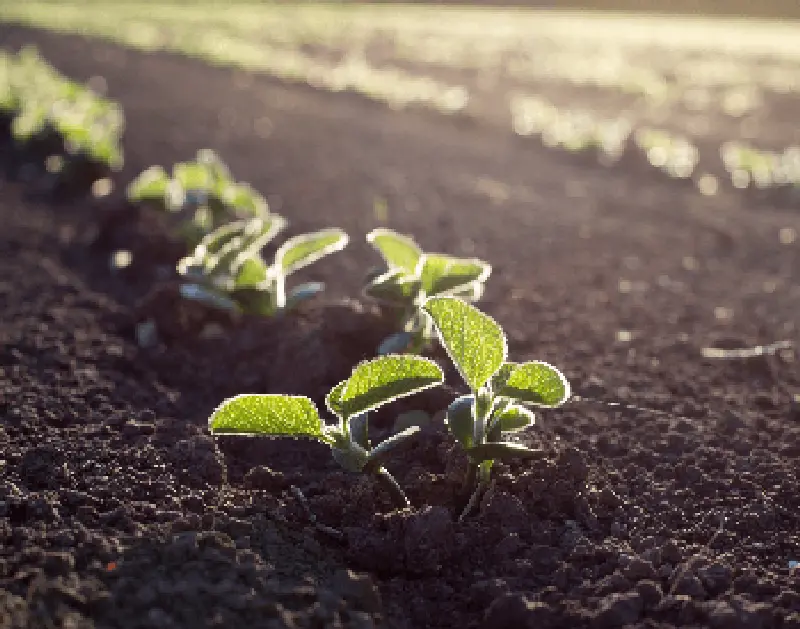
(57, 124)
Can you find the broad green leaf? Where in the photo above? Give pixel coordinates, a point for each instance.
(259, 414)
(513, 418)
(399, 251)
(302, 250)
(251, 272)
(334, 399)
(536, 383)
(475, 342)
(442, 274)
(461, 420)
(470, 292)
(381, 380)
(245, 200)
(503, 451)
(393, 289)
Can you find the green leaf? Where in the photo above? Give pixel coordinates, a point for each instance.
(193, 176)
(251, 272)
(302, 250)
(536, 383)
(393, 288)
(461, 420)
(381, 380)
(503, 451)
(398, 251)
(255, 300)
(513, 418)
(475, 342)
(257, 414)
(503, 374)
(442, 274)
(151, 184)
(334, 399)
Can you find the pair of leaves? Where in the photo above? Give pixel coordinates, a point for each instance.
(371, 384)
(477, 346)
(412, 275)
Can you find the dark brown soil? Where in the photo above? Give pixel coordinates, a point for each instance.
(677, 507)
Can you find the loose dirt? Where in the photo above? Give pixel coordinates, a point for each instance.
(117, 510)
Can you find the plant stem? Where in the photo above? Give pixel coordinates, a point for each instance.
(473, 501)
(388, 482)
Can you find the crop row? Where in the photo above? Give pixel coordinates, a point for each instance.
(225, 226)
(57, 124)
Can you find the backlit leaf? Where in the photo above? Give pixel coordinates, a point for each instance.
(302, 250)
(475, 342)
(398, 251)
(536, 383)
(381, 380)
(258, 414)
(442, 274)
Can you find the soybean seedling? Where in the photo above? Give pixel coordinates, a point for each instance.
(202, 193)
(409, 277)
(226, 269)
(501, 391)
(372, 383)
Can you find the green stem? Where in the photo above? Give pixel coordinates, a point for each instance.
(391, 486)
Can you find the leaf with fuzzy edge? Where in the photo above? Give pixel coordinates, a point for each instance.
(513, 418)
(334, 399)
(475, 342)
(268, 414)
(398, 251)
(378, 381)
(305, 249)
(536, 383)
(443, 275)
(251, 272)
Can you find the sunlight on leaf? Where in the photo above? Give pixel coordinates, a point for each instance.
(381, 380)
(475, 342)
(278, 415)
(536, 383)
(398, 251)
(442, 274)
(305, 249)
(513, 418)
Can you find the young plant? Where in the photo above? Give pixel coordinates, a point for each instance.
(409, 277)
(372, 384)
(226, 269)
(501, 391)
(202, 193)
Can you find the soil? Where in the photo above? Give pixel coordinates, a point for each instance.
(668, 494)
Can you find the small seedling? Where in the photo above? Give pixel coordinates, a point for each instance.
(202, 193)
(409, 277)
(226, 269)
(501, 391)
(372, 384)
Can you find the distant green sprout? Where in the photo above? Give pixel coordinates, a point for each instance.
(372, 383)
(201, 192)
(226, 269)
(501, 391)
(409, 277)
